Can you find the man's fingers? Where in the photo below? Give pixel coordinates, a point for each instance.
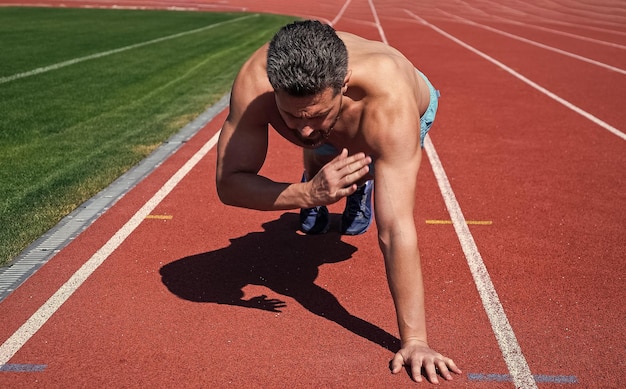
(357, 163)
(355, 176)
(452, 366)
(350, 169)
(354, 162)
(340, 177)
(445, 366)
(443, 369)
(358, 166)
(431, 373)
(396, 364)
(347, 191)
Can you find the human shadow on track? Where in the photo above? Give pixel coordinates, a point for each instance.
(280, 259)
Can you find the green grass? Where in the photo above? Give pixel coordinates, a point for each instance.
(69, 132)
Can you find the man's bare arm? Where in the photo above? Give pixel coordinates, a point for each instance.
(239, 183)
(394, 197)
(394, 203)
(393, 132)
(242, 148)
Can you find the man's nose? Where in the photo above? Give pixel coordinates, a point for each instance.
(305, 129)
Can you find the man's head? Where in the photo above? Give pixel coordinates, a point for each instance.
(306, 58)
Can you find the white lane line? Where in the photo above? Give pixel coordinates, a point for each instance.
(511, 351)
(378, 25)
(115, 51)
(341, 12)
(12, 345)
(558, 32)
(539, 19)
(533, 84)
(537, 44)
(559, 13)
(574, 13)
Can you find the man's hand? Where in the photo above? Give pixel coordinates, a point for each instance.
(262, 302)
(418, 358)
(338, 178)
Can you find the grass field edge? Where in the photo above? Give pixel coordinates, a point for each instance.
(25, 264)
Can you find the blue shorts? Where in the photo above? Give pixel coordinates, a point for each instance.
(426, 121)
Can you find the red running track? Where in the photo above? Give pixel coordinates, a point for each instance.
(528, 135)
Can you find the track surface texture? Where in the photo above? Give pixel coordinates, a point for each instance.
(521, 201)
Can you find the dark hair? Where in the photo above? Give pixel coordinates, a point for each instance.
(305, 58)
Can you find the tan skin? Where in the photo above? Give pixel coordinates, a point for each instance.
(373, 118)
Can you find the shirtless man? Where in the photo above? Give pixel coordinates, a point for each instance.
(360, 110)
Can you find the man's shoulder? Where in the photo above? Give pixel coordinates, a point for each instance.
(385, 83)
(381, 71)
(253, 73)
(251, 89)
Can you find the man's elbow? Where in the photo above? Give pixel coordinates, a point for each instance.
(224, 193)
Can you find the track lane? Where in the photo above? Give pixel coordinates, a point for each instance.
(597, 83)
(602, 53)
(540, 197)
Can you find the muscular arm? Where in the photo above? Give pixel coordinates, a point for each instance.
(242, 145)
(396, 176)
(241, 152)
(242, 148)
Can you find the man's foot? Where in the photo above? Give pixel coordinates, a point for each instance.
(357, 215)
(314, 220)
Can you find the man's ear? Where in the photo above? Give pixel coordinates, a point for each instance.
(344, 88)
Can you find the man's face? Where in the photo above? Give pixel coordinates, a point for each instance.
(311, 118)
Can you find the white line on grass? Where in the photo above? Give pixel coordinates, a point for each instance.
(39, 318)
(511, 351)
(533, 84)
(115, 51)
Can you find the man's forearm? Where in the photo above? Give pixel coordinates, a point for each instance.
(248, 190)
(404, 275)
